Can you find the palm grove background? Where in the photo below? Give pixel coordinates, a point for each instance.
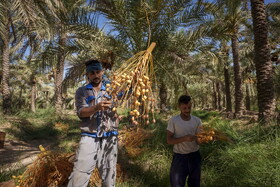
(225, 54)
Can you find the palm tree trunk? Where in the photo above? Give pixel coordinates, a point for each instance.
(224, 101)
(201, 102)
(208, 105)
(214, 96)
(6, 71)
(59, 74)
(227, 95)
(163, 97)
(248, 100)
(32, 81)
(219, 98)
(33, 94)
(237, 76)
(227, 89)
(185, 86)
(265, 87)
(20, 103)
(245, 5)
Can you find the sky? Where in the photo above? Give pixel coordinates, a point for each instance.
(271, 1)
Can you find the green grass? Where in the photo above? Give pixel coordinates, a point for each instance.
(205, 115)
(7, 175)
(40, 125)
(29, 126)
(253, 159)
(48, 114)
(243, 165)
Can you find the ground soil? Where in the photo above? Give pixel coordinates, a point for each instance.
(17, 153)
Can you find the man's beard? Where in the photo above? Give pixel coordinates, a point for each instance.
(96, 81)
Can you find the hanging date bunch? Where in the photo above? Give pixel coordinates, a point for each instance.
(208, 134)
(132, 85)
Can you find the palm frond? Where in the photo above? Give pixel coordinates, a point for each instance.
(75, 73)
(199, 13)
(4, 17)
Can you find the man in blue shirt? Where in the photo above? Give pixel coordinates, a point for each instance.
(98, 144)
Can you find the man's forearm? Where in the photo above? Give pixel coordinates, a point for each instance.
(87, 111)
(187, 138)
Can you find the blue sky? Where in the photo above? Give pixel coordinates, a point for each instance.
(271, 1)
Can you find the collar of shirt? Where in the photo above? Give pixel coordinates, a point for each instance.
(89, 86)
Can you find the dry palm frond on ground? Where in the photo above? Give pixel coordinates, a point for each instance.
(49, 169)
(134, 81)
(131, 140)
(95, 179)
(53, 169)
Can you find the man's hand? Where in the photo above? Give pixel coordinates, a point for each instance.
(103, 105)
(120, 117)
(199, 140)
(88, 111)
(172, 140)
(190, 138)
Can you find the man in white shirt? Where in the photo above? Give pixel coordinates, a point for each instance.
(181, 132)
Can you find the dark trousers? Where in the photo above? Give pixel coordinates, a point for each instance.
(183, 166)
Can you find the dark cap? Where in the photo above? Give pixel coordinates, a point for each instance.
(92, 65)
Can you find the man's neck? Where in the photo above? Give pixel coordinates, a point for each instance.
(185, 118)
(96, 87)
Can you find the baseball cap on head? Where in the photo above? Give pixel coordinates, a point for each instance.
(93, 65)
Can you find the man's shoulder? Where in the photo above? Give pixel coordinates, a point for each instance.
(85, 87)
(81, 89)
(195, 118)
(174, 118)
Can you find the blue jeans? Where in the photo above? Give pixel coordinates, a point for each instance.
(183, 166)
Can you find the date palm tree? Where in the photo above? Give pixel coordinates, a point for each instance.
(234, 16)
(18, 15)
(274, 38)
(139, 22)
(262, 60)
(5, 50)
(75, 29)
(224, 23)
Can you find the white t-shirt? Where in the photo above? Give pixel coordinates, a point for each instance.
(180, 128)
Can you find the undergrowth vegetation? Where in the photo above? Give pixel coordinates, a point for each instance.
(252, 159)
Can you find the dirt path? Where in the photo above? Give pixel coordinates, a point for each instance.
(16, 154)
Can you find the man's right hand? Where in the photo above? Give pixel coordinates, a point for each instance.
(103, 105)
(190, 138)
